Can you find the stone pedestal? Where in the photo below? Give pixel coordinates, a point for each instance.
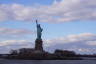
(39, 45)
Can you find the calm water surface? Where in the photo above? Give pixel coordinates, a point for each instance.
(2, 61)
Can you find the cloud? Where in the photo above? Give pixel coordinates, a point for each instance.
(12, 42)
(74, 38)
(14, 32)
(91, 43)
(7, 45)
(80, 43)
(59, 11)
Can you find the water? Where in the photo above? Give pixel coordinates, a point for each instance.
(2, 61)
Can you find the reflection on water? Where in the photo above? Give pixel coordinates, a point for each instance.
(2, 61)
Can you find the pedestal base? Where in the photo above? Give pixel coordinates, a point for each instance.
(39, 45)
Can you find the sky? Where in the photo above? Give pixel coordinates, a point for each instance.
(67, 24)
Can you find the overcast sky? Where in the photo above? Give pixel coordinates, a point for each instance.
(67, 24)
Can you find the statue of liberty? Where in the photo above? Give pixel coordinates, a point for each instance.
(39, 30)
